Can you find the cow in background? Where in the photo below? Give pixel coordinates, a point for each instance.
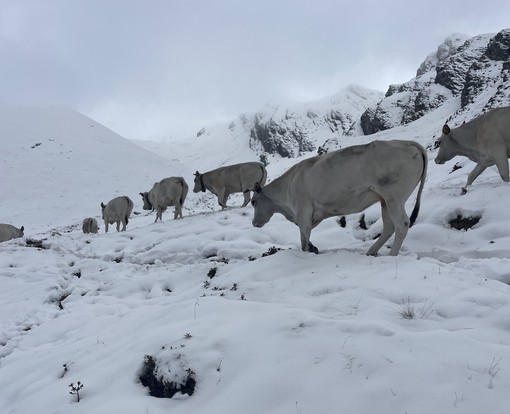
(171, 191)
(484, 140)
(117, 211)
(237, 178)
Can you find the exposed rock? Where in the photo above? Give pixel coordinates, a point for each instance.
(474, 72)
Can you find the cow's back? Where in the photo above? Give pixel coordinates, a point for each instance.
(119, 208)
(358, 175)
(240, 177)
(494, 126)
(168, 191)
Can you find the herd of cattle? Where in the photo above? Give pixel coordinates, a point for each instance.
(338, 183)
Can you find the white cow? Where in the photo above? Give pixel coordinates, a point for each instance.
(117, 211)
(171, 191)
(8, 232)
(238, 178)
(484, 140)
(348, 181)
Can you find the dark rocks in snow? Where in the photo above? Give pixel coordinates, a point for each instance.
(499, 46)
(158, 386)
(460, 222)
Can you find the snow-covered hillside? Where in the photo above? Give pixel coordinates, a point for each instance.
(56, 166)
(288, 332)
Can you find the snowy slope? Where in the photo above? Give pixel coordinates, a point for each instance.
(55, 159)
(291, 332)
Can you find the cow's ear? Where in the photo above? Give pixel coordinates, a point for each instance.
(446, 129)
(197, 174)
(22, 228)
(257, 188)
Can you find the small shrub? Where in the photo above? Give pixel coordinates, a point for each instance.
(455, 168)
(212, 272)
(407, 310)
(272, 250)
(75, 389)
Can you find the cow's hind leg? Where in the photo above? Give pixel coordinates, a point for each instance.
(388, 230)
(400, 220)
(178, 210)
(502, 164)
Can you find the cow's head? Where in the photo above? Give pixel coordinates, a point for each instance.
(445, 145)
(263, 206)
(146, 203)
(21, 230)
(199, 183)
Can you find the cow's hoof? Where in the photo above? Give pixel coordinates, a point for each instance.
(464, 191)
(312, 248)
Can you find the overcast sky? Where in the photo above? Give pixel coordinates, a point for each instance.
(154, 68)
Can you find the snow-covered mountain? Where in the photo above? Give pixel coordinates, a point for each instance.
(473, 74)
(299, 129)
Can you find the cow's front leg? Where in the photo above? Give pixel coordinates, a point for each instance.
(222, 198)
(118, 225)
(473, 175)
(306, 244)
(246, 198)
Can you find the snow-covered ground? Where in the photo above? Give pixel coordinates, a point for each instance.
(290, 332)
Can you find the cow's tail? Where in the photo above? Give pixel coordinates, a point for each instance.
(416, 209)
(184, 192)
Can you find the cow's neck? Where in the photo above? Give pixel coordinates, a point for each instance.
(280, 201)
(202, 185)
(468, 145)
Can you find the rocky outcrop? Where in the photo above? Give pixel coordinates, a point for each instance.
(470, 71)
(290, 132)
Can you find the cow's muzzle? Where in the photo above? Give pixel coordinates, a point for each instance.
(256, 224)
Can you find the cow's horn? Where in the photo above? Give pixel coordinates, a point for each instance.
(446, 129)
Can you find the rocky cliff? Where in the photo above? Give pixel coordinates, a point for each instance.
(471, 73)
